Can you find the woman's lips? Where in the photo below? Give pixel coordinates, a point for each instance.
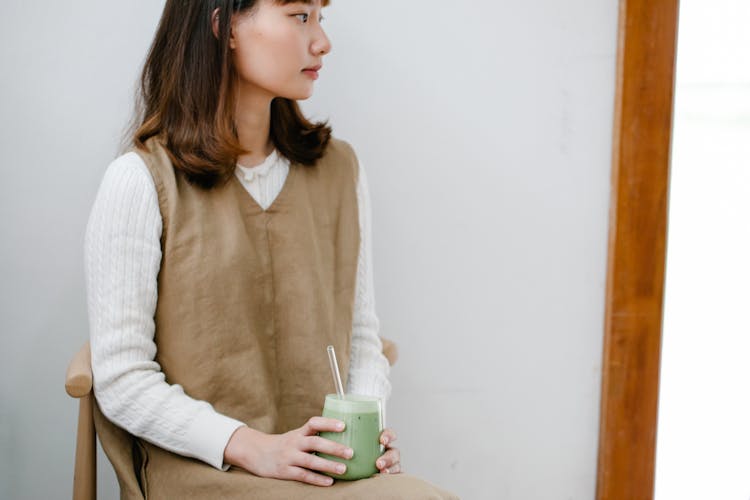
(312, 71)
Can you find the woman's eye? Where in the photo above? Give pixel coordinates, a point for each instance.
(304, 19)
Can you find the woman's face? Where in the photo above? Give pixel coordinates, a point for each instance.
(272, 47)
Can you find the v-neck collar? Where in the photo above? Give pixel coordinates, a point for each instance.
(280, 197)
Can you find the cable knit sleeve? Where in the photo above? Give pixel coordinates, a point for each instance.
(122, 254)
(368, 367)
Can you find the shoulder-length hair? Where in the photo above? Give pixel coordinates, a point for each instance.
(186, 99)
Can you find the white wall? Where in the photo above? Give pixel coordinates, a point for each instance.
(485, 128)
(67, 75)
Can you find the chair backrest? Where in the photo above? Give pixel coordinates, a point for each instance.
(78, 384)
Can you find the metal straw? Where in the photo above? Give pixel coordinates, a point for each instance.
(335, 372)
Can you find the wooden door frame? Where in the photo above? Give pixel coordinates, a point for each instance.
(647, 38)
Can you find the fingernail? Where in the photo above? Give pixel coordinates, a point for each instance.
(340, 426)
(349, 453)
(385, 440)
(341, 468)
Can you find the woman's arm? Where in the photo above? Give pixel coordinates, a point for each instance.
(368, 367)
(122, 253)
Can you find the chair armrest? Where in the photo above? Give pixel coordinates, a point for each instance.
(390, 350)
(78, 379)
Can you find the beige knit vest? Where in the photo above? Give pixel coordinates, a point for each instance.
(248, 300)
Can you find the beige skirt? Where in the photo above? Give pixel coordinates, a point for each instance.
(165, 475)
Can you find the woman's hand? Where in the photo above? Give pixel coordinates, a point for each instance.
(390, 461)
(288, 456)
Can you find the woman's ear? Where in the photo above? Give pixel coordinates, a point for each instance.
(232, 41)
(215, 28)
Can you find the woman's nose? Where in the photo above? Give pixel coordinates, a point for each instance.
(321, 45)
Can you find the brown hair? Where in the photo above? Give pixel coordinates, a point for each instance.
(185, 96)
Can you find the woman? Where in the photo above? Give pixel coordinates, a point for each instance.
(223, 254)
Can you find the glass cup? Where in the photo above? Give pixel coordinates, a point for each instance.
(363, 416)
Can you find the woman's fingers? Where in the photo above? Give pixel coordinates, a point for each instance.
(317, 443)
(307, 476)
(389, 459)
(321, 424)
(389, 462)
(393, 469)
(316, 463)
(387, 436)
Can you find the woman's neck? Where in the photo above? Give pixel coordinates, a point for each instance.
(253, 121)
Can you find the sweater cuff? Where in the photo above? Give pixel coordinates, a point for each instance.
(208, 436)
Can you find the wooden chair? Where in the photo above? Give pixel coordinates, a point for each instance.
(79, 384)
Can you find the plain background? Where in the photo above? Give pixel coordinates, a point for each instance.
(485, 129)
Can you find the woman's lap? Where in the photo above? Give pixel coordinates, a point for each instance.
(193, 479)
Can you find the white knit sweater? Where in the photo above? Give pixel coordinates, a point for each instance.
(122, 254)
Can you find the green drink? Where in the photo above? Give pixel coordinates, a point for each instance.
(364, 423)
